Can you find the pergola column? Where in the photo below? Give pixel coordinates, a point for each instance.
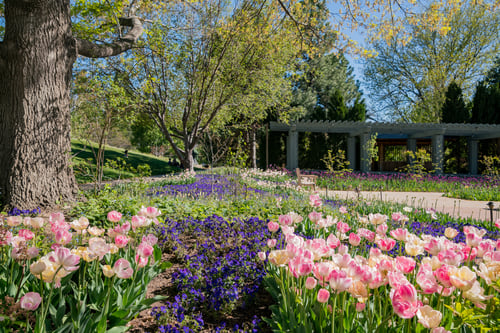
(473, 152)
(351, 152)
(411, 145)
(437, 152)
(292, 149)
(366, 163)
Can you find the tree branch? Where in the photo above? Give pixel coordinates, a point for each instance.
(93, 50)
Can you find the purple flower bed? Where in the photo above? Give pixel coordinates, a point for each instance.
(204, 186)
(223, 275)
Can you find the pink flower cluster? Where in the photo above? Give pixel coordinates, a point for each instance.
(71, 242)
(447, 268)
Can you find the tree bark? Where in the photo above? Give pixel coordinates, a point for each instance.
(35, 121)
(36, 59)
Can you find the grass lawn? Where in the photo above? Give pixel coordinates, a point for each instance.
(83, 160)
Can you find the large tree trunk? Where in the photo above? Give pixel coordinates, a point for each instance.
(37, 53)
(36, 58)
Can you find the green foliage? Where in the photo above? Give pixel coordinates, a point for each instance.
(336, 164)
(371, 148)
(417, 161)
(491, 165)
(410, 81)
(454, 109)
(486, 101)
(327, 90)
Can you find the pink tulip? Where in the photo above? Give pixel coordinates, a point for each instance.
(440, 330)
(314, 217)
(426, 280)
(497, 223)
(30, 301)
(434, 246)
(59, 225)
(396, 279)
(398, 216)
(339, 281)
(6, 239)
(300, 266)
(26, 234)
(405, 264)
(366, 234)
(400, 234)
(404, 300)
(442, 274)
(315, 200)
(273, 226)
(332, 242)
(382, 229)
(343, 227)
(486, 245)
(262, 255)
(122, 269)
(323, 295)
(342, 249)
(139, 221)
(360, 306)
(56, 217)
(141, 261)
(63, 237)
(450, 257)
(121, 241)
(322, 270)
(150, 239)
(343, 209)
(386, 244)
(354, 239)
(149, 212)
(271, 243)
(285, 220)
(472, 239)
(98, 247)
(63, 257)
(144, 250)
(311, 282)
(32, 252)
(14, 221)
(114, 216)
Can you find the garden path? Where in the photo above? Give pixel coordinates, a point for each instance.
(454, 207)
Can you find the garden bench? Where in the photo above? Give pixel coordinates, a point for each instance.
(306, 180)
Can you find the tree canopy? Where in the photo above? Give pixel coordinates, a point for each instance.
(409, 81)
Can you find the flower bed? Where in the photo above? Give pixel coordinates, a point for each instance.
(355, 278)
(57, 276)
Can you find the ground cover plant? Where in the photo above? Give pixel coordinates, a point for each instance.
(220, 233)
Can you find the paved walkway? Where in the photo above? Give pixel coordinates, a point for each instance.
(455, 207)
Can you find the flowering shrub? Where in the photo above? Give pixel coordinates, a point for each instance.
(57, 276)
(344, 277)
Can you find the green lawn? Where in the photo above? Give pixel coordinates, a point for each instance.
(84, 163)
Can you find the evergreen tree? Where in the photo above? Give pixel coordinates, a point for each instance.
(454, 109)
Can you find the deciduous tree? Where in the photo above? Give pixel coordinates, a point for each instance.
(409, 81)
(36, 58)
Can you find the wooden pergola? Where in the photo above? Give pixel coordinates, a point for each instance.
(362, 132)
